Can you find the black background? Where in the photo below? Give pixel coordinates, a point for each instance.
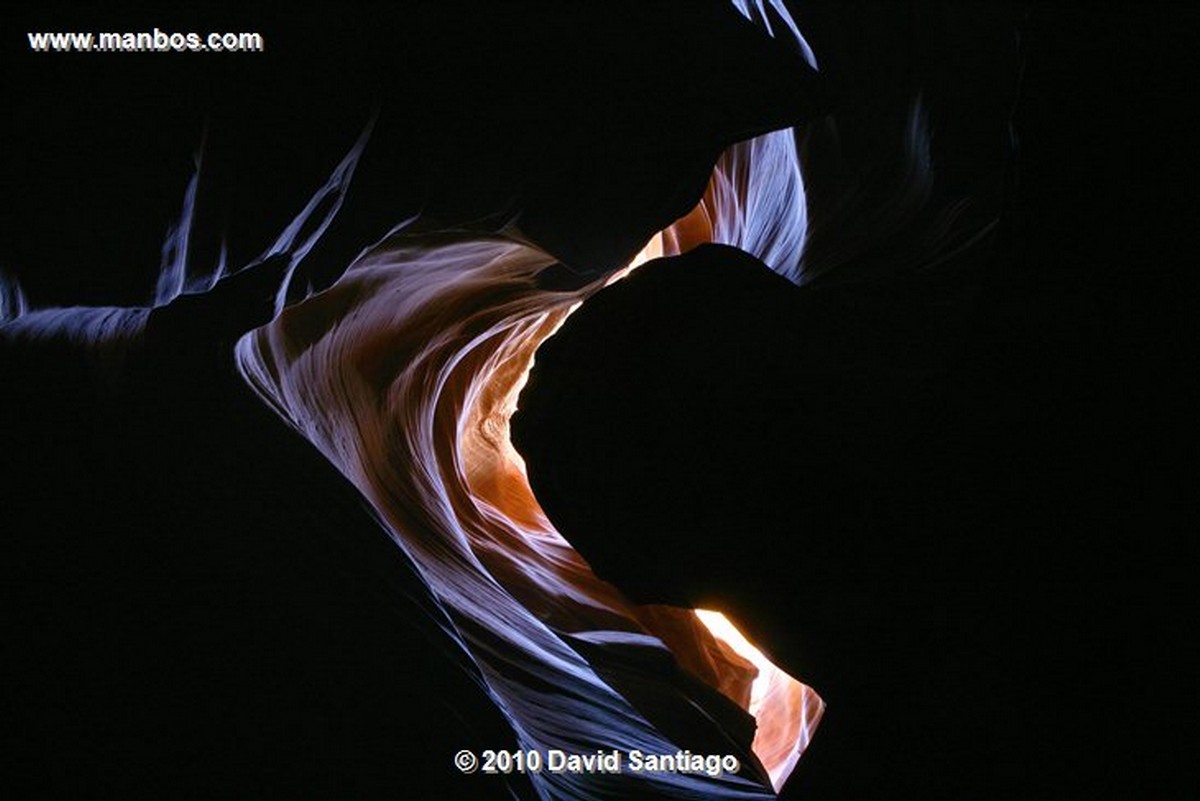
(1076, 400)
(969, 524)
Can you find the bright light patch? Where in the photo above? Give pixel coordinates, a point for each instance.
(787, 712)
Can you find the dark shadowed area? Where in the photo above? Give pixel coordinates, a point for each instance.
(956, 498)
(197, 603)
